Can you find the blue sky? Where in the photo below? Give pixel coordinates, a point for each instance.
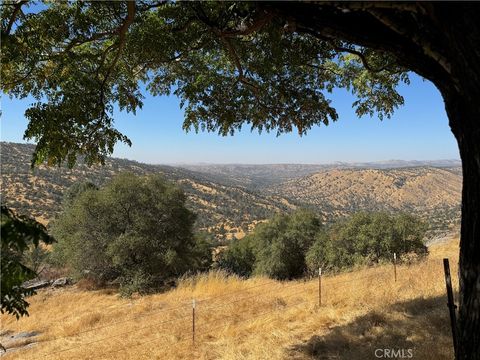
(417, 131)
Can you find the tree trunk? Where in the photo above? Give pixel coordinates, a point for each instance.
(464, 114)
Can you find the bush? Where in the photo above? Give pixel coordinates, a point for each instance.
(289, 246)
(135, 231)
(239, 258)
(282, 243)
(18, 235)
(368, 238)
(276, 248)
(321, 254)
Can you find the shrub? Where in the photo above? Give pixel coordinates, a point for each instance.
(321, 254)
(135, 231)
(288, 246)
(18, 234)
(367, 238)
(281, 244)
(239, 258)
(276, 248)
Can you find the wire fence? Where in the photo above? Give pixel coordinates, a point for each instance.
(194, 321)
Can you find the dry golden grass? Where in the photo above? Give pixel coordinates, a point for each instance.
(251, 319)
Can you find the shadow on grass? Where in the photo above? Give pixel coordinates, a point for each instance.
(416, 329)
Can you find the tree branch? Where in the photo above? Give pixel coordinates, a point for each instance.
(405, 6)
(322, 68)
(256, 25)
(241, 75)
(326, 21)
(16, 10)
(423, 42)
(77, 41)
(362, 58)
(122, 31)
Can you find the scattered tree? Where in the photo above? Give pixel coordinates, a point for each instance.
(366, 238)
(292, 245)
(282, 242)
(75, 190)
(239, 258)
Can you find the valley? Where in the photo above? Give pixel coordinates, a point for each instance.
(230, 199)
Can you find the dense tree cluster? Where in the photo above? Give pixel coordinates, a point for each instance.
(135, 231)
(289, 246)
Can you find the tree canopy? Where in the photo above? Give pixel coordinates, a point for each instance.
(230, 63)
(135, 231)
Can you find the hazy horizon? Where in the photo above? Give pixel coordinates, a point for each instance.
(206, 163)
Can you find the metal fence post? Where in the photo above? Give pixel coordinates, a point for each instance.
(451, 304)
(193, 322)
(395, 266)
(319, 286)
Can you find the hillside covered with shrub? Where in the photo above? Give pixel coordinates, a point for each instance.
(221, 208)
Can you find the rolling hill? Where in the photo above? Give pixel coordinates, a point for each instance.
(261, 177)
(231, 199)
(432, 193)
(228, 210)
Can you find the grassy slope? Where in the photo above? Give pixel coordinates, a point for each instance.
(361, 311)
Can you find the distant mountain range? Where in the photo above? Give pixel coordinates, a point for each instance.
(258, 176)
(231, 199)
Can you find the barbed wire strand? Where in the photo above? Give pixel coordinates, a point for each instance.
(117, 335)
(201, 334)
(305, 283)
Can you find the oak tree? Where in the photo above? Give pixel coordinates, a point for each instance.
(134, 231)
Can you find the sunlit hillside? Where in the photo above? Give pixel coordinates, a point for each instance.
(361, 311)
(429, 192)
(225, 209)
(230, 199)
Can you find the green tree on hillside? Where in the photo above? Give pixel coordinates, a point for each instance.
(282, 242)
(75, 190)
(239, 258)
(134, 230)
(410, 232)
(367, 238)
(276, 248)
(324, 254)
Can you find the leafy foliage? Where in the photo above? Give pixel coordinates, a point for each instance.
(239, 258)
(367, 238)
(282, 243)
(276, 248)
(134, 230)
(75, 190)
(230, 63)
(290, 246)
(18, 234)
